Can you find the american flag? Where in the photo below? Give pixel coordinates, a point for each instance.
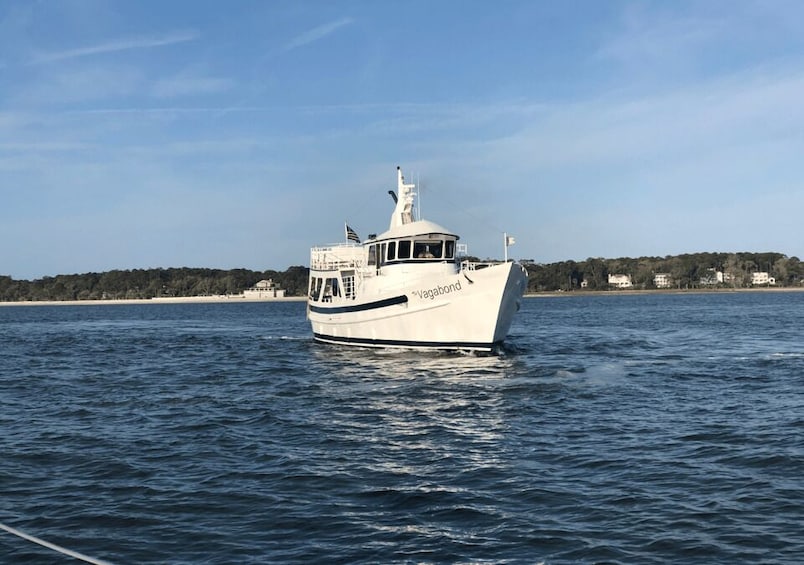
(351, 235)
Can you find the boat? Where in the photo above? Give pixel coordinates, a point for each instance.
(411, 287)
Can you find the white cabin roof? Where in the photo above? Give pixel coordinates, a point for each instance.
(419, 227)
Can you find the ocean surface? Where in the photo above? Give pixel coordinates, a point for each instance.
(612, 429)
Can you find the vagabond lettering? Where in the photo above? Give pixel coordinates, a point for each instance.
(431, 293)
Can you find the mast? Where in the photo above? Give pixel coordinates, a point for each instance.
(403, 212)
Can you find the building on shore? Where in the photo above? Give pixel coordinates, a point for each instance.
(762, 278)
(711, 277)
(662, 280)
(620, 281)
(264, 289)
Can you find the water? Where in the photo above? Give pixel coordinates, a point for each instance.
(630, 429)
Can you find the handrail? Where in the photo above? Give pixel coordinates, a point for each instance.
(338, 256)
(330, 265)
(477, 265)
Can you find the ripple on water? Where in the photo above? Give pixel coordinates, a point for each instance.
(616, 429)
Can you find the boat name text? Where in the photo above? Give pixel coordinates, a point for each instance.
(431, 293)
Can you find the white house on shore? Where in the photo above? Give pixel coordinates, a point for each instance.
(662, 280)
(711, 277)
(762, 278)
(620, 281)
(264, 289)
(758, 278)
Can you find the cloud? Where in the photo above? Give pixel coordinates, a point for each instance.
(691, 121)
(123, 44)
(647, 37)
(316, 34)
(187, 85)
(64, 86)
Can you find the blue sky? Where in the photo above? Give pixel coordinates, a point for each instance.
(238, 134)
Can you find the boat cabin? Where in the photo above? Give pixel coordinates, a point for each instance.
(432, 248)
(339, 269)
(416, 242)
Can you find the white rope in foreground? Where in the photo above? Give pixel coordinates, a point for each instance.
(53, 546)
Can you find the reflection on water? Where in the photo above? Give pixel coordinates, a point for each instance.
(392, 363)
(424, 407)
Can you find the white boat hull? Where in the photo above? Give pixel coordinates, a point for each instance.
(464, 310)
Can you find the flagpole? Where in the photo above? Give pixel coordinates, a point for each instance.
(505, 245)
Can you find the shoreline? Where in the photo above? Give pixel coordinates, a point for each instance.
(162, 300)
(241, 300)
(633, 292)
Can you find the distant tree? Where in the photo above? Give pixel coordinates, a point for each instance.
(795, 271)
(646, 268)
(596, 274)
(733, 271)
(687, 271)
(294, 280)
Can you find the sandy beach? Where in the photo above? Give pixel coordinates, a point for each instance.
(628, 292)
(164, 300)
(240, 300)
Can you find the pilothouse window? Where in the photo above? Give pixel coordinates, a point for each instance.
(449, 250)
(404, 249)
(428, 249)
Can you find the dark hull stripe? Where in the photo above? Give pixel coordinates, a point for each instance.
(359, 307)
(406, 343)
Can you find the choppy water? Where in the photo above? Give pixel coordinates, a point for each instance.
(631, 429)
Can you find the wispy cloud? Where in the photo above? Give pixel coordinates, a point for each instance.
(63, 86)
(122, 44)
(187, 85)
(645, 36)
(316, 34)
(47, 146)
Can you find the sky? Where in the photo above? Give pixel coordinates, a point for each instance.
(239, 134)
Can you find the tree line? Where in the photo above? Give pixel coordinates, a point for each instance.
(149, 283)
(687, 271)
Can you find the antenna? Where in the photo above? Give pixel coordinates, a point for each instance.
(419, 203)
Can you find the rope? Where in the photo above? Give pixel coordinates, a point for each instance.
(53, 546)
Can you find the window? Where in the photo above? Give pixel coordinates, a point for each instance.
(428, 249)
(327, 297)
(349, 284)
(404, 249)
(315, 288)
(392, 251)
(449, 249)
(372, 255)
(333, 283)
(382, 254)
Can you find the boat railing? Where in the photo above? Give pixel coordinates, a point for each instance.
(336, 257)
(477, 265)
